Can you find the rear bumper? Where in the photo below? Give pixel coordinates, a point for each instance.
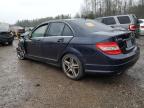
(112, 68)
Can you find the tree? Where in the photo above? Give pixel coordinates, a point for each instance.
(35, 22)
(112, 7)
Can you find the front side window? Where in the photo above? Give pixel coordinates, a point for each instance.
(39, 32)
(67, 31)
(109, 21)
(55, 29)
(124, 19)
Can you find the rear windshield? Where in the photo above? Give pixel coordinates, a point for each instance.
(124, 19)
(92, 26)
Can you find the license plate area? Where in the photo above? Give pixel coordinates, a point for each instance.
(129, 44)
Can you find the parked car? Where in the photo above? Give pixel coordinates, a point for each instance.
(28, 28)
(17, 30)
(5, 34)
(128, 22)
(26, 33)
(141, 21)
(80, 46)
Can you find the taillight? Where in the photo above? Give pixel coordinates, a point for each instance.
(132, 27)
(142, 26)
(110, 48)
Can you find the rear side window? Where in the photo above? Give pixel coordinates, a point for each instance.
(109, 21)
(55, 29)
(124, 19)
(67, 31)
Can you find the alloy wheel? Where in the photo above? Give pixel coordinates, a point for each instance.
(71, 66)
(20, 53)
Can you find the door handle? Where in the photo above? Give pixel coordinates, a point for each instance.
(34, 42)
(38, 40)
(60, 40)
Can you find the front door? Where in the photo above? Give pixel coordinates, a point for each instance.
(33, 45)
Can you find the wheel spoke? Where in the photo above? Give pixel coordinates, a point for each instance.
(20, 53)
(71, 61)
(66, 63)
(75, 66)
(68, 70)
(74, 72)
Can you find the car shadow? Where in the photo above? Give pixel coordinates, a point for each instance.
(5, 45)
(90, 79)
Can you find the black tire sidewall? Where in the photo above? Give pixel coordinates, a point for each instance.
(10, 43)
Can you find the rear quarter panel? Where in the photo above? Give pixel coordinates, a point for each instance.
(85, 48)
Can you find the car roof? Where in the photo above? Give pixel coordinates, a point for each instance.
(115, 16)
(70, 22)
(82, 26)
(65, 20)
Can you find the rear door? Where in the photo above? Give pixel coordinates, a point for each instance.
(57, 38)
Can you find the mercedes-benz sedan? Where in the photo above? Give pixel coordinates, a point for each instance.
(80, 46)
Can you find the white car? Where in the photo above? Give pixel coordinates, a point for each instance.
(141, 21)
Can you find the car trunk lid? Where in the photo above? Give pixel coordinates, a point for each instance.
(126, 42)
(125, 39)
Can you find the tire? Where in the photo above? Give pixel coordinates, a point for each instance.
(20, 53)
(72, 67)
(3, 44)
(10, 43)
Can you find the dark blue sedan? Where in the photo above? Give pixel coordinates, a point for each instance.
(80, 46)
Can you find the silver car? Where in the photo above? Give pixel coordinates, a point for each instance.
(128, 22)
(141, 21)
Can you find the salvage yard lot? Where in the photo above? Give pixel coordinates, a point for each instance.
(30, 84)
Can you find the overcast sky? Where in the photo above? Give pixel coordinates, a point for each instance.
(13, 10)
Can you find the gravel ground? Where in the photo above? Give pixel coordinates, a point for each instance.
(30, 84)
